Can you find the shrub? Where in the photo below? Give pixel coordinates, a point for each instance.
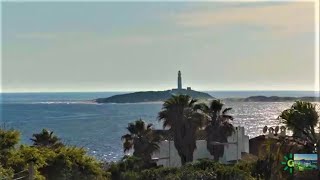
(5, 173)
(158, 173)
(71, 163)
(60, 163)
(202, 170)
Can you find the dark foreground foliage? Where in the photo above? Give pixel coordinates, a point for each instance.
(202, 170)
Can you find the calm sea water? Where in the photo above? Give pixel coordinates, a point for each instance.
(99, 127)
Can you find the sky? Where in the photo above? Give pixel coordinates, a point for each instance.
(130, 46)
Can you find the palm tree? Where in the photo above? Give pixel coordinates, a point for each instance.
(46, 138)
(142, 139)
(219, 127)
(301, 118)
(180, 115)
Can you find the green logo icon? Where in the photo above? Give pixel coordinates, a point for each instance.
(289, 162)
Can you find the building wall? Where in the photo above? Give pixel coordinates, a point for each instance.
(174, 161)
(201, 152)
(246, 144)
(231, 152)
(163, 154)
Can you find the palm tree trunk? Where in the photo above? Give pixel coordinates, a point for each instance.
(216, 158)
(189, 156)
(183, 159)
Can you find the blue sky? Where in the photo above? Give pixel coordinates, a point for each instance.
(140, 46)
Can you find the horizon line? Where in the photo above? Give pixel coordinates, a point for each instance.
(98, 91)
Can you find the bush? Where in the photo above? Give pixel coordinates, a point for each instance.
(60, 163)
(6, 173)
(130, 175)
(158, 173)
(71, 163)
(202, 170)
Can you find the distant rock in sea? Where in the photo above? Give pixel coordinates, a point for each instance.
(272, 99)
(152, 96)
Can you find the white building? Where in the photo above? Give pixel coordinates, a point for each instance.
(238, 143)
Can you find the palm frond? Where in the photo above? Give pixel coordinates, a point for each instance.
(127, 146)
(226, 110)
(127, 137)
(149, 125)
(216, 105)
(203, 107)
(227, 117)
(192, 102)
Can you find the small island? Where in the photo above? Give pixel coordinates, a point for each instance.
(155, 96)
(273, 99)
(160, 96)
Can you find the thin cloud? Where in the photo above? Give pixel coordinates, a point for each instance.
(289, 18)
(124, 39)
(36, 35)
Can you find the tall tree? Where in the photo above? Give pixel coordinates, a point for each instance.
(46, 138)
(142, 139)
(301, 118)
(219, 128)
(183, 119)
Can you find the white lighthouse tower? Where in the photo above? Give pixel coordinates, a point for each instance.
(179, 81)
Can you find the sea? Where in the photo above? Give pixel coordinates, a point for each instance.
(98, 128)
